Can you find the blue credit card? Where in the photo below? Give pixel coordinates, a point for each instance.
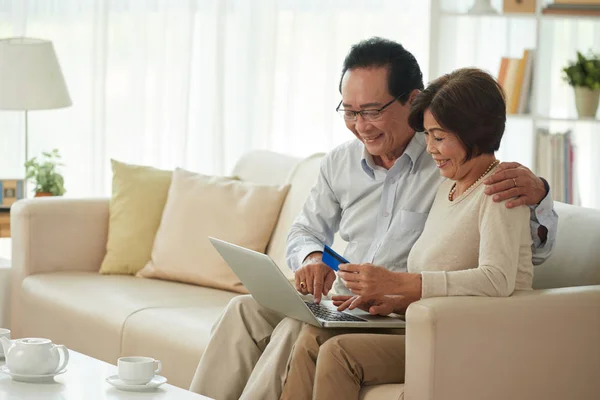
(332, 259)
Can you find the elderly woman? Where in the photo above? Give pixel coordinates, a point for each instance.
(470, 246)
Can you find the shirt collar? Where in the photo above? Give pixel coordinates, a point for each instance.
(413, 151)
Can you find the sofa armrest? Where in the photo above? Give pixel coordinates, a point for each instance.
(542, 344)
(55, 234)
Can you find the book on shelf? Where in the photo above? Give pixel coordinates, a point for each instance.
(516, 78)
(555, 162)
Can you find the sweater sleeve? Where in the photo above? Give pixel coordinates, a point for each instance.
(500, 231)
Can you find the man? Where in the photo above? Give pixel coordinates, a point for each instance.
(376, 192)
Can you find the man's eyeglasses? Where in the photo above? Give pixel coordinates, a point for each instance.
(368, 115)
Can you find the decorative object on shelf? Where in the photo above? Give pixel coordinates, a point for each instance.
(30, 79)
(48, 181)
(518, 6)
(584, 75)
(482, 7)
(11, 190)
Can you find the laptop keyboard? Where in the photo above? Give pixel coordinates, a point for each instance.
(329, 315)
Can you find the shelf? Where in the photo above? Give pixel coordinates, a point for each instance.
(547, 17)
(566, 17)
(566, 119)
(552, 119)
(499, 15)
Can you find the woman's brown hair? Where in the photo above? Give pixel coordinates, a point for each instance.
(467, 102)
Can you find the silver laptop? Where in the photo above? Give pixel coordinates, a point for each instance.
(269, 286)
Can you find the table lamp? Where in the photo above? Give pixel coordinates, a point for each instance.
(30, 79)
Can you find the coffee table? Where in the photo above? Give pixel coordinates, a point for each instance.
(84, 379)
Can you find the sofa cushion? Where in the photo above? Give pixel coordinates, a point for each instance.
(88, 311)
(574, 261)
(388, 391)
(176, 336)
(200, 206)
(138, 197)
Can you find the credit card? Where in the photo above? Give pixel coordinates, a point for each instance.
(333, 259)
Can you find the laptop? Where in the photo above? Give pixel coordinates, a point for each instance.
(271, 289)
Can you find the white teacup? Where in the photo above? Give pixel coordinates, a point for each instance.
(4, 333)
(138, 370)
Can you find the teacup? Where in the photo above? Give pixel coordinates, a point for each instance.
(4, 333)
(137, 370)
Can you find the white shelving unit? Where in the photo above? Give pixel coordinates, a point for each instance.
(459, 39)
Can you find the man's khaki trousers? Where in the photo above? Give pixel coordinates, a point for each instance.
(247, 354)
(336, 363)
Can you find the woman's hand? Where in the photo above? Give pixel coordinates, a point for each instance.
(368, 279)
(371, 281)
(381, 305)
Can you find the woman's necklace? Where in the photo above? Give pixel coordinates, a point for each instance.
(492, 165)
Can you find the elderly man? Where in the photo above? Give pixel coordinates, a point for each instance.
(376, 191)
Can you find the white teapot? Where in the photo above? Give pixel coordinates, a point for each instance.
(34, 356)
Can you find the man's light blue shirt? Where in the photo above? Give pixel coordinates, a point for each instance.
(380, 213)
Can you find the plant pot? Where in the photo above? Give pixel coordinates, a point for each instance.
(43, 194)
(586, 101)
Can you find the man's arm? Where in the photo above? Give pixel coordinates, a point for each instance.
(317, 223)
(512, 180)
(543, 222)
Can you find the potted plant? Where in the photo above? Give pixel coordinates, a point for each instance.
(48, 181)
(584, 75)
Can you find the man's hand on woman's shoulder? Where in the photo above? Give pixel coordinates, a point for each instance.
(512, 179)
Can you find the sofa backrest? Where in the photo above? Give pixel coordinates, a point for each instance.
(575, 260)
(265, 167)
(273, 168)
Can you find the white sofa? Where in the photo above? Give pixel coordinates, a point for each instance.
(543, 344)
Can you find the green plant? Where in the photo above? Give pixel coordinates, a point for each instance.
(585, 71)
(45, 174)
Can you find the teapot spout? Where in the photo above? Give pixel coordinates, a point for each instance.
(6, 343)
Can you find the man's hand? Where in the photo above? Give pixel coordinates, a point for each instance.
(381, 305)
(510, 180)
(314, 277)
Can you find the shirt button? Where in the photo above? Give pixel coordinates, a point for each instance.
(391, 181)
(386, 214)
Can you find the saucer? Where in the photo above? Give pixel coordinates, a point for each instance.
(153, 384)
(31, 378)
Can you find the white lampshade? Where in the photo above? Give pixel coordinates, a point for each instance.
(30, 76)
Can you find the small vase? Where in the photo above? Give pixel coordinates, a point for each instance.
(43, 194)
(482, 7)
(586, 101)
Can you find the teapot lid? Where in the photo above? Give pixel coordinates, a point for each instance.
(34, 341)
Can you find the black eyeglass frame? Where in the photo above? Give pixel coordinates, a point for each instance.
(356, 113)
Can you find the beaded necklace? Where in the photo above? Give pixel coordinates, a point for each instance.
(453, 189)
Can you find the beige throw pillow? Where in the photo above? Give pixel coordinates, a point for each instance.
(199, 206)
(139, 195)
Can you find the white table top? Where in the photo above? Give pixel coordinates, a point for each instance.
(84, 379)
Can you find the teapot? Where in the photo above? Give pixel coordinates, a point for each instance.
(34, 356)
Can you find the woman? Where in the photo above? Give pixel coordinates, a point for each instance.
(470, 246)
